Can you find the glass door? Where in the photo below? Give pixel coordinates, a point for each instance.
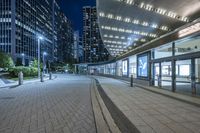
(184, 76)
(166, 75)
(156, 75)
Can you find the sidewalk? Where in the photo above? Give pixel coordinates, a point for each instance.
(151, 112)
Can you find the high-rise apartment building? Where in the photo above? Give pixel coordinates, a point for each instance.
(22, 21)
(65, 39)
(94, 50)
(78, 48)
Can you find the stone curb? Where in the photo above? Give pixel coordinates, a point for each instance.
(122, 122)
(103, 118)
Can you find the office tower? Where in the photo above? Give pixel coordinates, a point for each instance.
(94, 50)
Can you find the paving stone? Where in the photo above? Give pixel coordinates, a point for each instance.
(151, 112)
(55, 106)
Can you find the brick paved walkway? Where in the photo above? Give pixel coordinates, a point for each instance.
(150, 112)
(59, 106)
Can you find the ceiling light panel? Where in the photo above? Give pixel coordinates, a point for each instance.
(132, 20)
(159, 10)
(129, 31)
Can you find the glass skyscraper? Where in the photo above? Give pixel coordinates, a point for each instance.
(22, 21)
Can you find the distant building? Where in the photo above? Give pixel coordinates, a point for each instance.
(65, 40)
(94, 50)
(21, 22)
(78, 48)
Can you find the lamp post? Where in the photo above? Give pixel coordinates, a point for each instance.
(23, 60)
(44, 64)
(39, 38)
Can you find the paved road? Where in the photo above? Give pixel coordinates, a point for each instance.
(62, 105)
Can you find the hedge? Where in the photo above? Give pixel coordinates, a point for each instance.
(27, 71)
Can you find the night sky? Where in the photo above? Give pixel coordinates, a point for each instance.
(73, 10)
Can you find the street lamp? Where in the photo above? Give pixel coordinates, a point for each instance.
(23, 60)
(43, 56)
(39, 38)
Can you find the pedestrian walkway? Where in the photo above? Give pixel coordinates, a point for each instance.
(62, 105)
(150, 112)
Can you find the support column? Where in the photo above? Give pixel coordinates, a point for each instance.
(193, 77)
(173, 75)
(173, 68)
(160, 76)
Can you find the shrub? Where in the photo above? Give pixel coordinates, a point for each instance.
(5, 61)
(27, 71)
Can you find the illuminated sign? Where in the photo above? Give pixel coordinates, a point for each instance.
(189, 30)
(125, 67)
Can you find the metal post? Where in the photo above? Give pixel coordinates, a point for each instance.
(50, 76)
(42, 77)
(131, 80)
(38, 57)
(43, 62)
(20, 76)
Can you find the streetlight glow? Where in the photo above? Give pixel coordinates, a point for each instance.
(44, 53)
(40, 37)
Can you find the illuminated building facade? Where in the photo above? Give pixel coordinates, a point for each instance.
(158, 44)
(94, 50)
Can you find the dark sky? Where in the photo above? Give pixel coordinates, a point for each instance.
(73, 10)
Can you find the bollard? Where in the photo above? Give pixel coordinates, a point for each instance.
(50, 76)
(20, 76)
(131, 80)
(42, 77)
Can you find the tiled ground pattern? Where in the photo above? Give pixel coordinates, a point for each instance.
(59, 106)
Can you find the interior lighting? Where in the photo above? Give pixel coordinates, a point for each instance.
(159, 10)
(102, 14)
(189, 30)
(110, 16)
(154, 26)
(118, 18)
(130, 2)
(128, 20)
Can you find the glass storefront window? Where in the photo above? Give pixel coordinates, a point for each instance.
(125, 67)
(184, 70)
(183, 77)
(189, 46)
(133, 66)
(163, 51)
(119, 68)
(166, 72)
